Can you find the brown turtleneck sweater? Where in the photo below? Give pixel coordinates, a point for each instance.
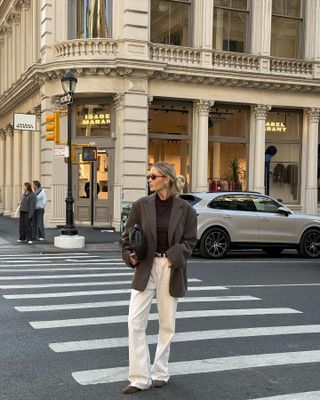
(163, 209)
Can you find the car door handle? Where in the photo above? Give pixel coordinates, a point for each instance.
(227, 216)
(265, 219)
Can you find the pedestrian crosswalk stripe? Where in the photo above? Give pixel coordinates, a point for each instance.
(74, 284)
(45, 255)
(76, 268)
(37, 258)
(104, 263)
(63, 323)
(118, 303)
(93, 293)
(119, 374)
(84, 345)
(275, 285)
(294, 396)
(67, 276)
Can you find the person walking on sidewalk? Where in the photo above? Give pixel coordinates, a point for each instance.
(27, 209)
(170, 227)
(41, 201)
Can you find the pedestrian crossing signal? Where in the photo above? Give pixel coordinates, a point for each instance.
(89, 154)
(53, 127)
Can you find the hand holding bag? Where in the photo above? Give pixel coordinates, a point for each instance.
(138, 242)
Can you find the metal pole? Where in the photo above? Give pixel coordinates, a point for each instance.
(69, 229)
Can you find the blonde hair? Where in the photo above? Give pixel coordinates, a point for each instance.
(176, 183)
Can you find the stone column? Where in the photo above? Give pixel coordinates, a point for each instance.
(261, 112)
(2, 168)
(1, 64)
(26, 156)
(312, 161)
(14, 20)
(203, 28)
(203, 108)
(17, 184)
(36, 148)
(23, 60)
(261, 31)
(312, 31)
(118, 100)
(8, 171)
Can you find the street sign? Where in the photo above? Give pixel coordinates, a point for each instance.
(61, 151)
(25, 122)
(66, 99)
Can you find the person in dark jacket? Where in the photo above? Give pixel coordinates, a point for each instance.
(27, 209)
(170, 227)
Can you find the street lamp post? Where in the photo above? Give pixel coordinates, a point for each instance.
(68, 82)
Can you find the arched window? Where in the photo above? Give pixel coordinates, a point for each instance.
(90, 19)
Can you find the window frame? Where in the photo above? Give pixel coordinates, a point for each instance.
(233, 197)
(302, 28)
(190, 28)
(248, 11)
(260, 197)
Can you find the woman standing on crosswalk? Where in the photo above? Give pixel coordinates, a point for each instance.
(170, 227)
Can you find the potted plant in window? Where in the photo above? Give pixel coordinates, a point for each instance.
(235, 172)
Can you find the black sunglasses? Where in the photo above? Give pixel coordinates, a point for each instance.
(153, 177)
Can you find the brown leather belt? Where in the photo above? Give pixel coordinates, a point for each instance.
(160, 255)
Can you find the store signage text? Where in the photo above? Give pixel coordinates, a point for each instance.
(24, 122)
(96, 119)
(275, 127)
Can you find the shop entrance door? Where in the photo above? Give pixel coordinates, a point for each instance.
(93, 189)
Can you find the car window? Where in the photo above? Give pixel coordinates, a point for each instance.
(191, 199)
(265, 204)
(233, 202)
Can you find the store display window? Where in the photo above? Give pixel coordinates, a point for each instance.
(286, 28)
(171, 22)
(227, 151)
(93, 120)
(170, 136)
(282, 158)
(231, 25)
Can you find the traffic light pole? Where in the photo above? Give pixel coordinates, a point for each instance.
(69, 228)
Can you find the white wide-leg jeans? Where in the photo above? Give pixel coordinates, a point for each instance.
(140, 372)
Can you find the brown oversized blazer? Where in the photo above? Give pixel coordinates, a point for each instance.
(182, 233)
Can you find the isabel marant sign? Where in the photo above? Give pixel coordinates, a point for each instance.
(24, 122)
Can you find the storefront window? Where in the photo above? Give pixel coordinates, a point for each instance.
(170, 22)
(230, 25)
(93, 120)
(169, 136)
(286, 29)
(90, 19)
(282, 166)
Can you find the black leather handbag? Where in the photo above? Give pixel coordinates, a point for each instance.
(138, 242)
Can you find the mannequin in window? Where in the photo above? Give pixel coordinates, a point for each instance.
(87, 189)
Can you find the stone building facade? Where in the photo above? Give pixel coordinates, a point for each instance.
(225, 90)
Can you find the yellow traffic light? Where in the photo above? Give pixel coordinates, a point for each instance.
(53, 127)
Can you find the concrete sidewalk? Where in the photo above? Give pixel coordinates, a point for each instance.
(97, 239)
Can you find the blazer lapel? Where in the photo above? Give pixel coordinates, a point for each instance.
(152, 215)
(176, 214)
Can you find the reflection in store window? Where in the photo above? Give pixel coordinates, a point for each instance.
(93, 19)
(283, 171)
(93, 120)
(227, 151)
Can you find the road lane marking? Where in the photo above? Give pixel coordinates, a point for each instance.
(67, 276)
(94, 293)
(37, 258)
(46, 264)
(105, 268)
(84, 345)
(63, 323)
(17, 255)
(118, 303)
(294, 396)
(73, 284)
(273, 285)
(110, 375)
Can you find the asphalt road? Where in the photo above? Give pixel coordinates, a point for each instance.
(250, 329)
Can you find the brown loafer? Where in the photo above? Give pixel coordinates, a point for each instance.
(130, 389)
(159, 384)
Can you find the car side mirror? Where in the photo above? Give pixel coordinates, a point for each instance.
(283, 211)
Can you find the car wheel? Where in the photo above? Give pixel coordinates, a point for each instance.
(272, 251)
(309, 245)
(214, 243)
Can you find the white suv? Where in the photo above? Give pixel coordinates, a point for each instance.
(251, 220)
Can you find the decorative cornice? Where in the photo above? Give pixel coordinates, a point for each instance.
(26, 4)
(9, 130)
(5, 31)
(261, 111)
(204, 106)
(118, 100)
(2, 135)
(14, 18)
(314, 115)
